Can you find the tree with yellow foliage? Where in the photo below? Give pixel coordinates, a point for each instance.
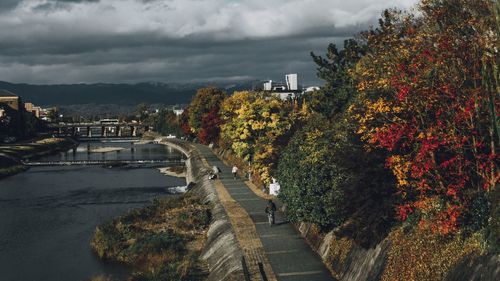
(254, 126)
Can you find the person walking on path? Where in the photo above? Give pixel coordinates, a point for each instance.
(216, 171)
(270, 209)
(234, 171)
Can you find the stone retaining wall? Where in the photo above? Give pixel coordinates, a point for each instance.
(361, 264)
(222, 251)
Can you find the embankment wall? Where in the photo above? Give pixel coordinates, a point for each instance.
(222, 251)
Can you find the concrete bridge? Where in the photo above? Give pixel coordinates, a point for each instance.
(170, 161)
(101, 129)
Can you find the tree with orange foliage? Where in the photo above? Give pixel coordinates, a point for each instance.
(430, 98)
(201, 118)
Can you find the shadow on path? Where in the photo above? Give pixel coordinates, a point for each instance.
(288, 253)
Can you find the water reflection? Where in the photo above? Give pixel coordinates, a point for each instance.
(48, 214)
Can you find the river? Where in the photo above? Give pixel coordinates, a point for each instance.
(48, 214)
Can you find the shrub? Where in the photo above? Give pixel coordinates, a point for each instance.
(154, 240)
(326, 176)
(421, 255)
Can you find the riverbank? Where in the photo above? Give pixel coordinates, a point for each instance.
(188, 237)
(222, 251)
(106, 149)
(159, 242)
(176, 171)
(12, 155)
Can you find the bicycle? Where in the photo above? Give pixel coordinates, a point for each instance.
(270, 209)
(270, 218)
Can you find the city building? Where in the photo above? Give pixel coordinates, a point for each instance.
(48, 114)
(10, 99)
(37, 110)
(268, 85)
(30, 107)
(178, 112)
(291, 82)
(275, 86)
(289, 89)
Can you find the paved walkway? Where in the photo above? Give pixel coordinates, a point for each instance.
(290, 257)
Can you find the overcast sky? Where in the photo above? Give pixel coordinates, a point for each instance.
(73, 41)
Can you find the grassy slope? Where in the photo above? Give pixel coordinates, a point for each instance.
(159, 242)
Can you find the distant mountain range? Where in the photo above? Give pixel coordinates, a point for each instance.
(122, 94)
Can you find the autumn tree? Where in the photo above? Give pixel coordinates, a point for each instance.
(430, 99)
(201, 115)
(210, 127)
(326, 175)
(253, 126)
(184, 124)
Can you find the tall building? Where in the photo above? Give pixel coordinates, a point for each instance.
(292, 82)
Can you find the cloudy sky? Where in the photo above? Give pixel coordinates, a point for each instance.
(74, 41)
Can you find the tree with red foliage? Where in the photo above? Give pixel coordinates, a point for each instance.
(210, 127)
(430, 99)
(183, 120)
(204, 106)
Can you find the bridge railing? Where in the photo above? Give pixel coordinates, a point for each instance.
(102, 162)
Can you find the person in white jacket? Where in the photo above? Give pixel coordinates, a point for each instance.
(234, 171)
(216, 172)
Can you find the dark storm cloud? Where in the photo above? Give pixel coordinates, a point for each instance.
(11, 4)
(266, 59)
(49, 41)
(8, 4)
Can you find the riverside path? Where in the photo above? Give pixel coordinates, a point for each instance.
(289, 255)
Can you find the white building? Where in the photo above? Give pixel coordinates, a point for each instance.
(291, 82)
(289, 89)
(178, 112)
(268, 86)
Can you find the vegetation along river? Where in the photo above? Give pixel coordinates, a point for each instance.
(48, 214)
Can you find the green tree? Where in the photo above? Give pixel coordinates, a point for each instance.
(306, 173)
(327, 176)
(166, 122)
(334, 68)
(142, 111)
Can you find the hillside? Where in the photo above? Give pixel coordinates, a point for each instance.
(122, 94)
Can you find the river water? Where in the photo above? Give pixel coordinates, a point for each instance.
(48, 214)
